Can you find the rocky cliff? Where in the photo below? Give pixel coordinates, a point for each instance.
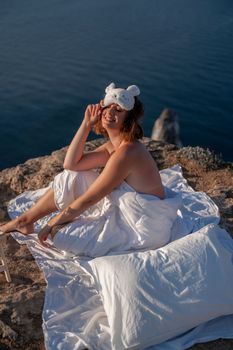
(21, 301)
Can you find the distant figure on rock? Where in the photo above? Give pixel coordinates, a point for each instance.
(166, 128)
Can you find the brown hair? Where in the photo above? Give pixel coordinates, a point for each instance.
(131, 129)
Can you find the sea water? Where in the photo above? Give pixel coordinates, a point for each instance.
(57, 56)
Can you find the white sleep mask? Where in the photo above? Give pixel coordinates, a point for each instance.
(123, 97)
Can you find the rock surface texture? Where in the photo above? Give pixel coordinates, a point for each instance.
(21, 301)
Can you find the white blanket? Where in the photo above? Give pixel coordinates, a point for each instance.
(73, 313)
(122, 221)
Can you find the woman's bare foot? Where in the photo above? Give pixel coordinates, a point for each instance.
(17, 225)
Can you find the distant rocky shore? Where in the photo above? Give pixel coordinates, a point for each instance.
(21, 301)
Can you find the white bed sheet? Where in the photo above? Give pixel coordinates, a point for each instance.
(73, 314)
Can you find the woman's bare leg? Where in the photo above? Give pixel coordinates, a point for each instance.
(24, 223)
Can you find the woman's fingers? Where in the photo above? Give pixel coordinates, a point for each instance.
(101, 103)
(93, 113)
(42, 240)
(95, 108)
(43, 234)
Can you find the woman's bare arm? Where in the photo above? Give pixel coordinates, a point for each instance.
(75, 150)
(92, 160)
(117, 169)
(75, 159)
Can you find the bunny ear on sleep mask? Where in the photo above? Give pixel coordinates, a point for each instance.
(123, 97)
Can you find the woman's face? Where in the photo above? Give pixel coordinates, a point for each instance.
(113, 116)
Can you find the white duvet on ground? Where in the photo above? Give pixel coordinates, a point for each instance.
(123, 220)
(152, 296)
(74, 317)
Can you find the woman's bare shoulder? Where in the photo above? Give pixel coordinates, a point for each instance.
(140, 157)
(135, 148)
(128, 149)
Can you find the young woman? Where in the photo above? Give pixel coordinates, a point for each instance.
(123, 156)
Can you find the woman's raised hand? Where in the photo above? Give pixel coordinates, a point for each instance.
(92, 114)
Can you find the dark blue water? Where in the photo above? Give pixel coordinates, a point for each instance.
(57, 56)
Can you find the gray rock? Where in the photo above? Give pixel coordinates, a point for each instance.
(166, 128)
(204, 157)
